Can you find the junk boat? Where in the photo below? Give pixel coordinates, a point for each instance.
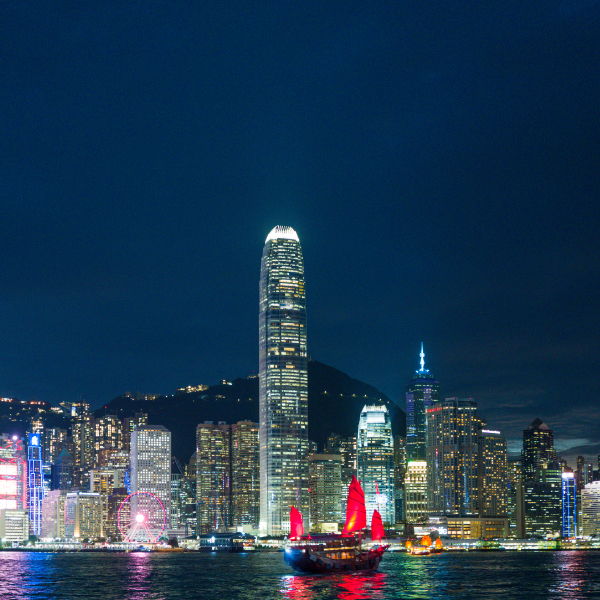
(335, 553)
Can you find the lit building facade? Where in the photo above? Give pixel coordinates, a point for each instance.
(422, 392)
(543, 501)
(53, 514)
(515, 499)
(569, 505)
(538, 448)
(55, 440)
(493, 474)
(35, 482)
(283, 383)
(246, 474)
(415, 492)
(104, 482)
(108, 431)
(325, 485)
(453, 458)
(590, 509)
(63, 477)
(14, 525)
(13, 473)
(83, 515)
(151, 468)
(375, 461)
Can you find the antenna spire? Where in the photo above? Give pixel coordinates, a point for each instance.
(422, 355)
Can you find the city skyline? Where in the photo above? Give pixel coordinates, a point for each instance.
(440, 169)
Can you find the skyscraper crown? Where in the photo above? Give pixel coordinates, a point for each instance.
(281, 231)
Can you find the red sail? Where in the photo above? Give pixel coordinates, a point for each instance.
(377, 533)
(297, 526)
(356, 514)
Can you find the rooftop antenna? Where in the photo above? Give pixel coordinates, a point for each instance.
(422, 355)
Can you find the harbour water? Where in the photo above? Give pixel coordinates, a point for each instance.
(264, 576)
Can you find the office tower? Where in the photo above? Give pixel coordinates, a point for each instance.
(128, 425)
(422, 392)
(151, 468)
(453, 458)
(346, 448)
(538, 448)
(63, 471)
(569, 505)
(492, 474)
(584, 473)
(590, 509)
(82, 426)
(325, 485)
(283, 382)
(415, 491)
(113, 503)
(516, 500)
(53, 514)
(375, 461)
(83, 516)
(104, 482)
(543, 501)
(13, 473)
(176, 499)
(14, 525)
(55, 439)
(399, 474)
(246, 474)
(108, 431)
(213, 476)
(35, 482)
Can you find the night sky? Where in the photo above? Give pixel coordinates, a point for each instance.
(440, 162)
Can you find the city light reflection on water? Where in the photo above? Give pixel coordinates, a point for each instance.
(264, 576)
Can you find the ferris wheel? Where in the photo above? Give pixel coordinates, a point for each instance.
(142, 518)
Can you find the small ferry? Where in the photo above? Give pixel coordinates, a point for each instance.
(335, 553)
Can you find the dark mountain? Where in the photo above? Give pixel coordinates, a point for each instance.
(334, 404)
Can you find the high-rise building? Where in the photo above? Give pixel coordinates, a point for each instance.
(492, 474)
(415, 491)
(569, 505)
(13, 473)
(54, 441)
(53, 514)
(35, 482)
(63, 471)
(538, 448)
(246, 474)
(422, 392)
(590, 509)
(151, 469)
(104, 482)
(453, 458)
(584, 473)
(14, 525)
(543, 501)
(83, 515)
(325, 488)
(399, 474)
(82, 426)
(128, 425)
(516, 502)
(283, 382)
(108, 431)
(375, 461)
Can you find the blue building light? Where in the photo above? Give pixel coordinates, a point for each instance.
(36, 483)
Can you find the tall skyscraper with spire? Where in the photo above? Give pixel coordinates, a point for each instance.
(283, 361)
(422, 392)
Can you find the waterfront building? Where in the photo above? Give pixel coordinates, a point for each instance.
(14, 525)
(422, 392)
(453, 458)
(53, 514)
(245, 473)
(283, 382)
(492, 474)
(104, 482)
(113, 503)
(63, 471)
(35, 482)
(151, 468)
(83, 515)
(325, 485)
(515, 499)
(590, 509)
(477, 527)
(13, 473)
(569, 505)
(543, 501)
(82, 426)
(399, 475)
(538, 448)
(375, 461)
(415, 491)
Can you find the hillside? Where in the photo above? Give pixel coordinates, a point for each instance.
(334, 404)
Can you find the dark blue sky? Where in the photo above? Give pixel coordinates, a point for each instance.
(440, 162)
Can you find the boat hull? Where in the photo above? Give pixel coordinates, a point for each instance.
(304, 560)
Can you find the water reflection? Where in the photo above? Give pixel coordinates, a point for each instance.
(343, 587)
(141, 572)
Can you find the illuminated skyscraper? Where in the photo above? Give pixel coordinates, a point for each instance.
(325, 481)
(375, 461)
(538, 448)
(590, 509)
(569, 505)
(13, 473)
(492, 474)
(543, 501)
(283, 365)
(415, 491)
(35, 482)
(151, 467)
(422, 392)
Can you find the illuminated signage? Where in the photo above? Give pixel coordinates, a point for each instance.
(34, 439)
(9, 469)
(8, 487)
